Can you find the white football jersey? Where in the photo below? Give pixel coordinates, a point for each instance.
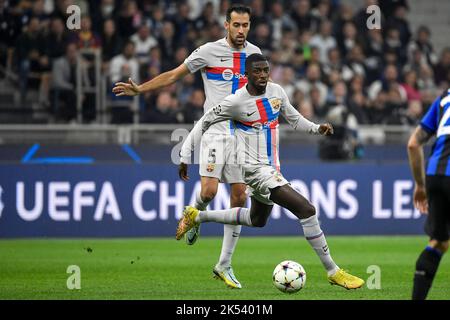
(223, 73)
(256, 121)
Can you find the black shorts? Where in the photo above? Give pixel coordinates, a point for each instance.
(437, 225)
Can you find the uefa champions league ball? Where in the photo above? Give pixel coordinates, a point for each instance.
(289, 276)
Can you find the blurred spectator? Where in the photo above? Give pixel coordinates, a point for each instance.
(298, 63)
(358, 105)
(163, 111)
(354, 64)
(442, 69)
(338, 96)
(399, 22)
(303, 106)
(322, 11)
(258, 14)
(206, 19)
(85, 38)
(193, 110)
(31, 62)
(422, 42)
(143, 41)
(167, 45)
(317, 102)
(304, 44)
(388, 84)
(279, 22)
(55, 41)
(344, 144)
(324, 41)
(223, 7)
(157, 21)
(111, 42)
(413, 113)
(101, 13)
(287, 81)
(301, 15)
(185, 88)
(182, 21)
(349, 39)
(393, 43)
(334, 62)
(410, 85)
(129, 20)
(317, 48)
(344, 15)
(125, 65)
(313, 79)
(262, 38)
(64, 81)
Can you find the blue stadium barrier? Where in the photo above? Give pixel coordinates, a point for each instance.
(145, 200)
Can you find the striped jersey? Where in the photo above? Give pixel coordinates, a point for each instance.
(437, 121)
(223, 72)
(256, 121)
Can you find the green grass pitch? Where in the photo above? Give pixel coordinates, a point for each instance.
(162, 268)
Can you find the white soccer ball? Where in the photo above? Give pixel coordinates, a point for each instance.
(289, 276)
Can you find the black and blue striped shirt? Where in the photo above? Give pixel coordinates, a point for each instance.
(437, 121)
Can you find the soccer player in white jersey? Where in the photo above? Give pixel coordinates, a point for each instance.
(254, 110)
(222, 66)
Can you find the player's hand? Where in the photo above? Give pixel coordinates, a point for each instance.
(420, 199)
(326, 129)
(183, 171)
(126, 89)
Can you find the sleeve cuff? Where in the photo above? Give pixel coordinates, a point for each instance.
(427, 128)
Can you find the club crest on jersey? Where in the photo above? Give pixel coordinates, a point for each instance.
(275, 103)
(210, 167)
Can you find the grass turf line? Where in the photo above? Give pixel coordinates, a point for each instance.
(164, 269)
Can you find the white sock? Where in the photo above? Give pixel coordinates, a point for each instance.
(316, 239)
(199, 203)
(234, 216)
(230, 239)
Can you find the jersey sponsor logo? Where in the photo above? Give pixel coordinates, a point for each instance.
(250, 113)
(227, 74)
(226, 59)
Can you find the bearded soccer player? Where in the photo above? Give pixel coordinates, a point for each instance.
(254, 110)
(222, 66)
(432, 189)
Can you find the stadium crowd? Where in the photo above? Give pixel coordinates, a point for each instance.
(320, 51)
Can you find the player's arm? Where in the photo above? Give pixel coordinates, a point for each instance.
(163, 80)
(299, 122)
(416, 162)
(221, 112)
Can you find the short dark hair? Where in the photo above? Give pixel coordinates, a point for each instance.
(255, 57)
(238, 8)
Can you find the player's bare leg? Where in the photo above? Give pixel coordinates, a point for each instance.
(257, 216)
(426, 267)
(290, 199)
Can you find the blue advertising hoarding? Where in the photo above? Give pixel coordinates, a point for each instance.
(129, 200)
